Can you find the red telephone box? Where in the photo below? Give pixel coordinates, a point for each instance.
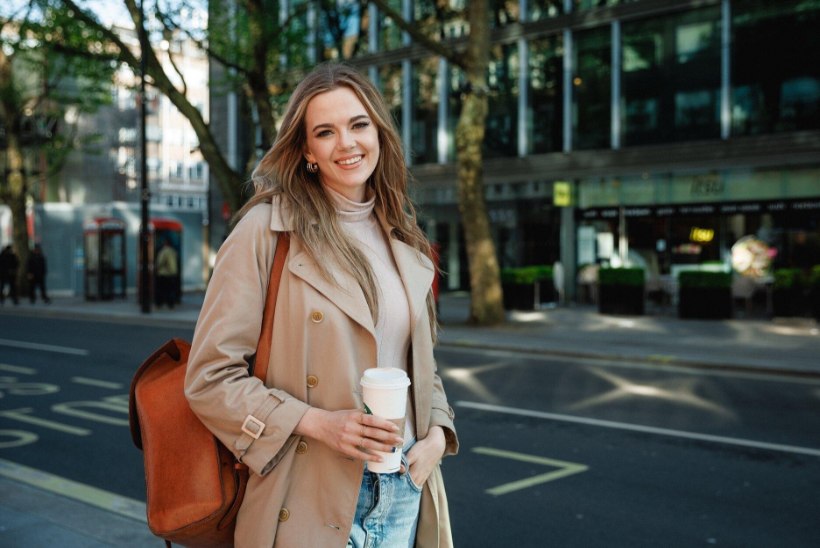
(104, 252)
(162, 230)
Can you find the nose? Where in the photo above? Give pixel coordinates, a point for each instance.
(345, 141)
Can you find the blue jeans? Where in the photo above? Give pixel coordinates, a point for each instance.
(387, 512)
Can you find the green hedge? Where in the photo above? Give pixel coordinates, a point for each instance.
(814, 277)
(695, 278)
(787, 278)
(621, 276)
(526, 274)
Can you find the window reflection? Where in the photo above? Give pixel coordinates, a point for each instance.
(502, 117)
(592, 89)
(546, 96)
(504, 12)
(671, 78)
(775, 68)
(389, 32)
(443, 18)
(544, 9)
(391, 88)
(342, 29)
(425, 110)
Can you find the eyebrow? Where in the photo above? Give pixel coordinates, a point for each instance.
(352, 120)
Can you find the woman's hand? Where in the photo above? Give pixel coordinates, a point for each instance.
(351, 432)
(425, 455)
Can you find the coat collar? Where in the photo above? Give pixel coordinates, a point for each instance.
(415, 270)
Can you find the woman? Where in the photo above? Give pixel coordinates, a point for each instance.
(355, 294)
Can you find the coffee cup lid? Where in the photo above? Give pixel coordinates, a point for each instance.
(385, 377)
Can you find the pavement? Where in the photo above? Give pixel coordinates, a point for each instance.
(37, 512)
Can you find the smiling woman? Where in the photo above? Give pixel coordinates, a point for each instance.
(356, 295)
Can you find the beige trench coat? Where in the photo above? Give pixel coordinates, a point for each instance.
(301, 493)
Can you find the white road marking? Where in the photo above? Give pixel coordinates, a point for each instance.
(23, 415)
(17, 369)
(96, 382)
(564, 469)
(45, 347)
(640, 428)
(124, 506)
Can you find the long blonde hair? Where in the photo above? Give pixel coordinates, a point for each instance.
(282, 172)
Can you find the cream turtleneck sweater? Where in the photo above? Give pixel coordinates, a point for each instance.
(393, 324)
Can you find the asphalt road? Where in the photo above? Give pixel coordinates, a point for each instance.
(554, 452)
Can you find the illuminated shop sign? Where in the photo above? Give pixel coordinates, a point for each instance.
(691, 210)
(702, 235)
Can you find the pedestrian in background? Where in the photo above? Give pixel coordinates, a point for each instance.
(355, 294)
(9, 262)
(36, 270)
(167, 268)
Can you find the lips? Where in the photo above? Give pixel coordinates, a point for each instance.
(352, 160)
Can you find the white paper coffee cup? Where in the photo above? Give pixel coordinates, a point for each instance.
(384, 392)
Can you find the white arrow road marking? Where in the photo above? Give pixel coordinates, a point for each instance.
(564, 469)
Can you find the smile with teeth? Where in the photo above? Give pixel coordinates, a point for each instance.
(350, 161)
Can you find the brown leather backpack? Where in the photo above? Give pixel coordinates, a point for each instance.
(194, 484)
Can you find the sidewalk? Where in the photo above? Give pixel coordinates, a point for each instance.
(35, 517)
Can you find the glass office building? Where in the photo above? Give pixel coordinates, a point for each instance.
(679, 126)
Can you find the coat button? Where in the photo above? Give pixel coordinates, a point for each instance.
(301, 448)
(316, 316)
(312, 381)
(284, 514)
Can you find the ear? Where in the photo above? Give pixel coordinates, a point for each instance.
(308, 155)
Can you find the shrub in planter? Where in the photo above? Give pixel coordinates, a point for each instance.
(621, 291)
(546, 285)
(520, 284)
(789, 292)
(705, 295)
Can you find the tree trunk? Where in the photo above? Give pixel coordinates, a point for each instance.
(486, 307)
(18, 190)
(486, 304)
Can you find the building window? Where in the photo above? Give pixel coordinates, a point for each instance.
(390, 85)
(546, 95)
(544, 9)
(775, 68)
(502, 117)
(671, 78)
(342, 29)
(592, 89)
(504, 12)
(425, 110)
(441, 18)
(389, 32)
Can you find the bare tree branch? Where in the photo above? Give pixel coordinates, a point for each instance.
(419, 37)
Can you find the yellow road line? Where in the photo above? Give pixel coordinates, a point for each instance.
(87, 494)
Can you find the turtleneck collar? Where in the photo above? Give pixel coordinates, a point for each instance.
(348, 210)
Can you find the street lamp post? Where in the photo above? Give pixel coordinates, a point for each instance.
(145, 279)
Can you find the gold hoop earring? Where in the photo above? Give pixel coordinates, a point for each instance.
(312, 168)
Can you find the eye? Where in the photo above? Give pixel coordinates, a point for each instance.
(324, 133)
(361, 124)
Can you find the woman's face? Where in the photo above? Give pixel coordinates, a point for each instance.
(342, 140)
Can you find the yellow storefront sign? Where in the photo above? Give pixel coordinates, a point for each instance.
(561, 194)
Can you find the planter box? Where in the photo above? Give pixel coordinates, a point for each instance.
(708, 303)
(793, 301)
(518, 296)
(621, 299)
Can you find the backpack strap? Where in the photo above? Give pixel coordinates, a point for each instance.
(263, 348)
